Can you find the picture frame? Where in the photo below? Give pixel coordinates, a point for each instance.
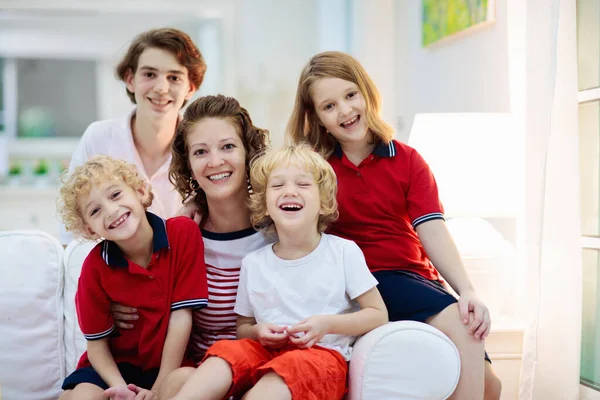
(445, 20)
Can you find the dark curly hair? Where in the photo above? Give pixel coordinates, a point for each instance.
(227, 108)
(172, 40)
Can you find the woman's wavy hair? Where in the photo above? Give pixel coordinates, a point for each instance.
(307, 158)
(304, 124)
(227, 108)
(96, 171)
(176, 42)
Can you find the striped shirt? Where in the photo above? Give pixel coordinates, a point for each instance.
(223, 253)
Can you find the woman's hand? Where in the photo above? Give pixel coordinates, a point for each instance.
(190, 210)
(271, 335)
(309, 331)
(475, 314)
(123, 315)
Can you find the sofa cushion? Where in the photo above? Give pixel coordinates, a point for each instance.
(404, 360)
(75, 343)
(32, 362)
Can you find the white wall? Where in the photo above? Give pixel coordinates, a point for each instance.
(275, 40)
(466, 74)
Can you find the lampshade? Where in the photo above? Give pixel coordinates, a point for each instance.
(476, 159)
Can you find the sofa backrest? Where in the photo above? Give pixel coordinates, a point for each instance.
(32, 361)
(75, 343)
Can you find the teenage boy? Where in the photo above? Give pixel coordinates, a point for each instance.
(155, 265)
(161, 70)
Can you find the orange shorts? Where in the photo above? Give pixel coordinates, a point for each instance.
(316, 373)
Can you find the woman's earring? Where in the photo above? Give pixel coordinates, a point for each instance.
(249, 185)
(194, 185)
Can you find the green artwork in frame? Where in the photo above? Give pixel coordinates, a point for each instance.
(443, 19)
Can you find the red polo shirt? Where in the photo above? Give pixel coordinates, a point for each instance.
(382, 201)
(174, 279)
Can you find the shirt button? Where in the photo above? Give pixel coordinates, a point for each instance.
(358, 174)
(150, 276)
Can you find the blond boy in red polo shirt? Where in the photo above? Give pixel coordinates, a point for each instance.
(154, 265)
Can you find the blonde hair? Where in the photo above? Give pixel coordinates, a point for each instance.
(302, 154)
(94, 172)
(304, 124)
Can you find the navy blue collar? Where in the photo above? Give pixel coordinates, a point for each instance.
(113, 255)
(381, 150)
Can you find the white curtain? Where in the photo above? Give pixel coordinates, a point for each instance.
(550, 368)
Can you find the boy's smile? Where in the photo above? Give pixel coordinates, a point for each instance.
(292, 198)
(160, 83)
(114, 211)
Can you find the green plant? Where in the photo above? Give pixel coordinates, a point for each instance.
(15, 168)
(42, 167)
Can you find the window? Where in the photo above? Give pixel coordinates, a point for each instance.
(588, 49)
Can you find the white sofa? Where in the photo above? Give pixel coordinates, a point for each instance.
(40, 341)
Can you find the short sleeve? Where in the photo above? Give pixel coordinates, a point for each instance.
(242, 300)
(190, 285)
(93, 304)
(359, 279)
(422, 198)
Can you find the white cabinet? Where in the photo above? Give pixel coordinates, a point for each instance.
(29, 208)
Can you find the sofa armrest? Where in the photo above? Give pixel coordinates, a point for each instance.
(74, 342)
(403, 360)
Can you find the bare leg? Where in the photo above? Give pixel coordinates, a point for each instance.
(493, 385)
(83, 391)
(175, 381)
(270, 386)
(210, 381)
(471, 381)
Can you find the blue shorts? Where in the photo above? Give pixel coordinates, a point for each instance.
(130, 373)
(410, 297)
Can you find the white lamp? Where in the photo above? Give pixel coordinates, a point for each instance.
(477, 162)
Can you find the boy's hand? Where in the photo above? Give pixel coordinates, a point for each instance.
(271, 335)
(120, 393)
(310, 331)
(142, 394)
(475, 314)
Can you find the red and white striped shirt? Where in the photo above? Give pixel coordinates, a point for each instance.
(223, 253)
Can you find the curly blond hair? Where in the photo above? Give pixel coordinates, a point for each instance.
(94, 172)
(304, 124)
(302, 154)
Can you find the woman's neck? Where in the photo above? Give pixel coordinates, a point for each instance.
(228, 216)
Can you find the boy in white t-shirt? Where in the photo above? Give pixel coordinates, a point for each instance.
(297, 299)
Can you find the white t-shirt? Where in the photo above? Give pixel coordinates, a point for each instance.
(115, 139)
(284, 292)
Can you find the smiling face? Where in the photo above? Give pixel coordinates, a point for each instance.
(341, 109)
(113, 210)
(217, 159)
(160, 84)
(292, 198)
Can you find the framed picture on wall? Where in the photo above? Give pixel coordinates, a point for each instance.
(443, 20)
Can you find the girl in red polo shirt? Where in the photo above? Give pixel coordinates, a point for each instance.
(389, 205)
